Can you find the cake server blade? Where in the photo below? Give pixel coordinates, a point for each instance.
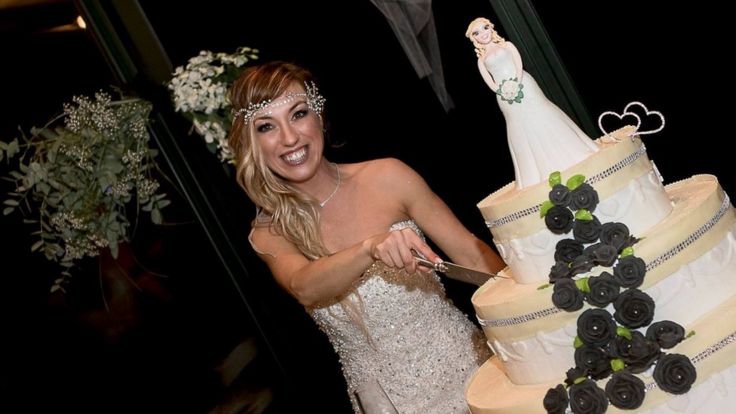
(458, 272)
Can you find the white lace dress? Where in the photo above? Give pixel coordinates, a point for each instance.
(421, 350)
(542, 139)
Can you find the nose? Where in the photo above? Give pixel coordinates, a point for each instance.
(289, 136)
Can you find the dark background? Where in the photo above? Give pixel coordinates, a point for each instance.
(156, 349)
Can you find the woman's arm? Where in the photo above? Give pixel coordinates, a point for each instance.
(315, 281)
(439, 223)
(517, 60)
(487, 76)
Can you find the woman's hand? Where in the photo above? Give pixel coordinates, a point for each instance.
(395, 249)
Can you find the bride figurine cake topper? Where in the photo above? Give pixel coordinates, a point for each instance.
(542, 139)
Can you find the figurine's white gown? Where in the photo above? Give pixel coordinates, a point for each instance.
(421, 350)
(541, 137)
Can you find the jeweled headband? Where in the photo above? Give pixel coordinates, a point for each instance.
(315, 102)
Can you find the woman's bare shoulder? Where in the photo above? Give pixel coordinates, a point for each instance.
(376, 169)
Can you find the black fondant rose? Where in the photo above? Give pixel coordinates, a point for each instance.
(573, 374)
(630, 271)
(567, 296)
(602, 254)
(615, 234)
(634, 308)
(581, 264)
(586, 231)
(558, 220)
(555, 401)
(560, 195)
(584, 197)
(603, 290)
(596, 327)
(566, 250)
(674, 373)
(594, 361)
(638, 352)
(559, 270)
(625, 390)
(666, 333)
(587, 398)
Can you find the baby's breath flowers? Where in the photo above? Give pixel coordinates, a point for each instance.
(76, 178)
(199, 91)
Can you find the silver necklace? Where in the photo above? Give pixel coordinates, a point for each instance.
(339, 180)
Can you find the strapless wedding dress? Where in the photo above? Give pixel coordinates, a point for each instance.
(415, 343)
(541, 137)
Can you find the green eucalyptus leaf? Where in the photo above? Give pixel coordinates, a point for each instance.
(37, 245)
(156, 216)
(628, 251)
(10, 202)
(12, 148)
(43, 187)
(617, 364)
(7, 210)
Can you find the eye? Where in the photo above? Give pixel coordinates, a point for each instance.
(265, 127)
(300, 114)
(475, 33)
(486, 27)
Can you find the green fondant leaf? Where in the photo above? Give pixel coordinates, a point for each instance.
(555, 178)
(575, 181)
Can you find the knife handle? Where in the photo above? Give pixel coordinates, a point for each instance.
(437, 267)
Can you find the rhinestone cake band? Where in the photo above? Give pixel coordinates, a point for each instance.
(592, 180)
(516, 320)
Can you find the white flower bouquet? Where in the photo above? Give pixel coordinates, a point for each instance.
(199, 91)
(510, 90)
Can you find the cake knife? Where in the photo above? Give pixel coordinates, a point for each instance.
(458, 272)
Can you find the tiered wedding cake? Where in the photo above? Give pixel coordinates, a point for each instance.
(686, 237)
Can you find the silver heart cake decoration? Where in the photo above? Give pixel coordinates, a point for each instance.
(647, 114)
(608, 137)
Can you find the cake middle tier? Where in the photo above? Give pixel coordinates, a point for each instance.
(627, 184)
(690, 259)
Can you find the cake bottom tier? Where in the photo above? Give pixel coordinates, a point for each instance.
(712, 349)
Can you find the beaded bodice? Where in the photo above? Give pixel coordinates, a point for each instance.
(418, 346)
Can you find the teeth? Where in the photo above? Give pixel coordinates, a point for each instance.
(296, 157)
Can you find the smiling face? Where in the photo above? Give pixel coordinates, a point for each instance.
(289, 135)
(482, 33)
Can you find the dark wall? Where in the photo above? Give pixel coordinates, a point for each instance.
(377, 107)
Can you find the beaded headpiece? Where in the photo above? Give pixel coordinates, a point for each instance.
(315, 102)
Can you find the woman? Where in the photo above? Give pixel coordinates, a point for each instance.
(542, 139)
(357, 278)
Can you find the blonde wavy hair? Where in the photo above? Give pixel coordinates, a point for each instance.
(292, 214)
(480, 48)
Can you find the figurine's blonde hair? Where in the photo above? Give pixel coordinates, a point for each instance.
(480, 49)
